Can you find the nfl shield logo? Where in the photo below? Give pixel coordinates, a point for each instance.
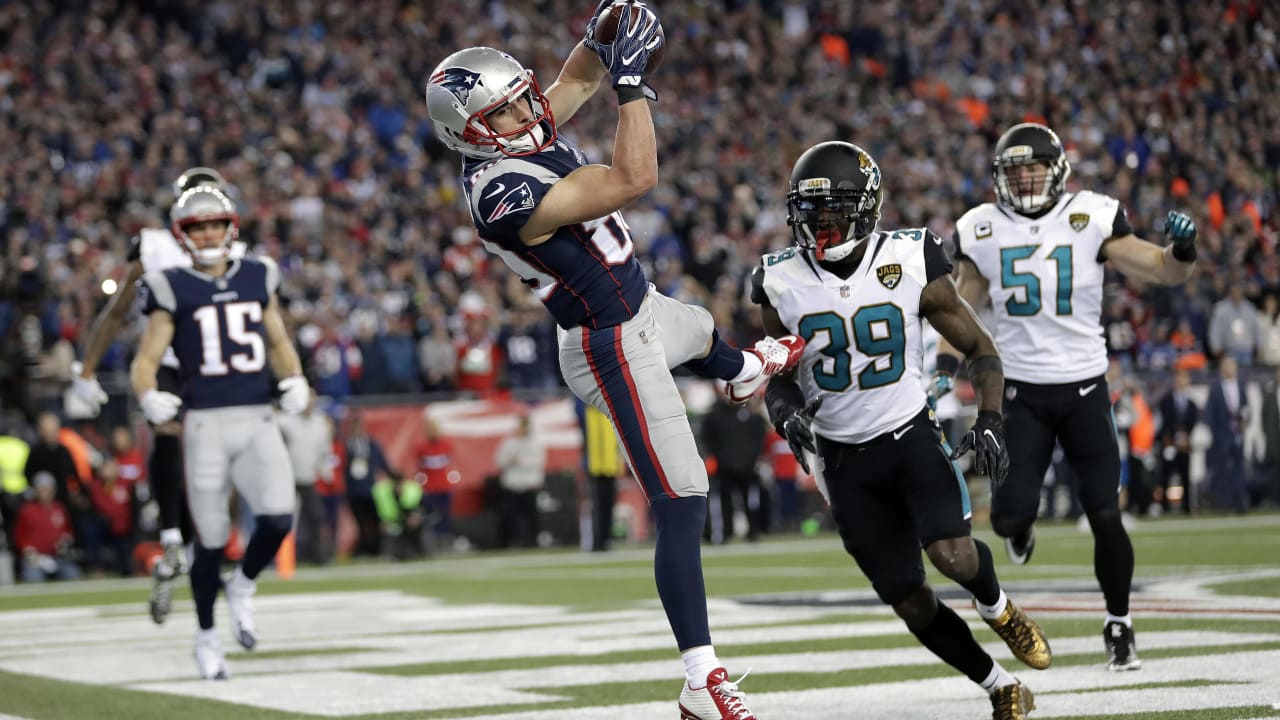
(889, 275)
(1078, 221)
(844, 291)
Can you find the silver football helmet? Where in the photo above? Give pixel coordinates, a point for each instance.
(204, 203)
(197, 176)
(469, 85)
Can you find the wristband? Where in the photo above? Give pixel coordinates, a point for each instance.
(628, 93)
(949, 364)
(1184, 253)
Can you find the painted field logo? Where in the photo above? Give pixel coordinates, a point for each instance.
(889, 275)
(1078, 221)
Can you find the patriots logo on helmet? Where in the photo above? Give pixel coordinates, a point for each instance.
(459, 81)
(517, 198)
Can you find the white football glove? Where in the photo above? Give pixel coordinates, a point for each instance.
(295, 394)
(159, 407)
(85, 397)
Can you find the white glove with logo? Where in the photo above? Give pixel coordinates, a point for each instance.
(85, 397)
(295, 394)
(159, 407)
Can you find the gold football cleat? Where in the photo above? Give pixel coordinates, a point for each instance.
(1023, 636)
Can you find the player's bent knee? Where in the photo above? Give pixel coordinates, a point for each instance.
(917, 607)
(276, 526)
(1007, 527)
(212, 532)
(956, 558)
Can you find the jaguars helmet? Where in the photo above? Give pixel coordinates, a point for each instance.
(835, 198)
(1025, 144)
(197, 176)
(204, 203)
(469, 85)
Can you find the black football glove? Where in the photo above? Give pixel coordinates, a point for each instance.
(1181, 231)
(798, 430)
(986, 440)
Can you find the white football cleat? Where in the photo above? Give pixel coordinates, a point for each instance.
(240, 591)
(778, 356)
(719, 700)
(211, 661)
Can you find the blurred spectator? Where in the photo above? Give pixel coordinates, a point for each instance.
(399, 504)
(528, 344)
(309, 438)
(336, 363)
(1234, 327)
(44, 534)
(113, 501)
(734, 435)
(437, 357)
(366, 464)
(331, 486)
(786, 474)
(1269, 332)
(1226, 414)
(602, 458)
(438, 478)
(479, 357)
(1269, 478)
(1178, 417)
(49, 455)
(130, 460)
(522, 461)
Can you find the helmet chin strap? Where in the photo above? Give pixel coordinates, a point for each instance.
(527, 141)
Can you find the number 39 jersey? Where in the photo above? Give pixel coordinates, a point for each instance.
(863, 349)
(1044, 278)
(218, 333)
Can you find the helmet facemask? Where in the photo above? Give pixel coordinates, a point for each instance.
(831, 221)
(202, 204)
(1025, 145)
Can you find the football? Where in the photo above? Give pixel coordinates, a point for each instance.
(607, 30)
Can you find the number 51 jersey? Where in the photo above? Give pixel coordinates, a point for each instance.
(863, 350)
(218, 333)
(1044, 278)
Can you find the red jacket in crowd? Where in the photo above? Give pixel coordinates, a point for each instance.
(43, 527)
(133, 466)
(115, 504)
(435, 461)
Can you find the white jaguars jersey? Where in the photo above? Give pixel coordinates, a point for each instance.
(1044, 277)
(863, 339)
(159, 250)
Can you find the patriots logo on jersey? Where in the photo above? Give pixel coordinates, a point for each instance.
(459, 81)
(517, 198)
(889, 275)
(1079, 221)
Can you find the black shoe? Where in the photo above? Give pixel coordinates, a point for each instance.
(1020, 548)
(1122, 653)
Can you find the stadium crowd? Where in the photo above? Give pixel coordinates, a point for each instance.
(314, 112)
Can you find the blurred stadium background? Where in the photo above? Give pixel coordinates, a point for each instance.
(314, 112)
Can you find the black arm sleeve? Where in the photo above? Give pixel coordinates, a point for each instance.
(936, 262)
(783, 397)
(135, 249)
(955, 240)
(758, 295)
(1119, 228)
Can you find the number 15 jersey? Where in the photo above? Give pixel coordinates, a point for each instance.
(863, 349)
(1044, 278)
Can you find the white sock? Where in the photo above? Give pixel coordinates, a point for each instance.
(993, 611)
(752, 366)
(239, 577)
(698, 664)
(205, 634)
(170, 536)
(997, 678)
(1124, 620)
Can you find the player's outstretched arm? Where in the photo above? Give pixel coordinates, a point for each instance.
(1147, 261)
(146, 363)
(594, 191)
(579, 79)
(942, 305)
(107, 325)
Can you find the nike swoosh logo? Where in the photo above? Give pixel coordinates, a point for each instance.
(628, 59)
(1086, 390)
(898, 434)
(499, 187)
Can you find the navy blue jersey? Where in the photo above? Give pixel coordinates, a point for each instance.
(586, 274)
(218, 332)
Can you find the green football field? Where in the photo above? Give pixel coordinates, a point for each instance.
(565, 635)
